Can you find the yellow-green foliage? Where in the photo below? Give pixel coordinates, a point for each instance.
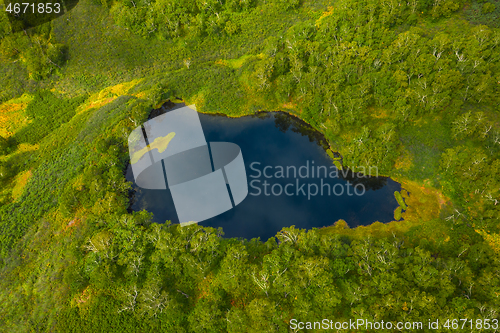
(397, 213)
(110, 256)
(425, 202)
(160, 143)
(20, 182)
(337, 164)
(332, 156)
(400, 200)
(238, 62)
(330, 153)
(488, 8)
(13, 115)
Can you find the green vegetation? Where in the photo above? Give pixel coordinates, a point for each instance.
(483, 12)
(400, 200)
(46, 112)
(488, 8)
(412, 88)
(397, 213)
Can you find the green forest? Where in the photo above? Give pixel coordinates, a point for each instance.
(412, 87)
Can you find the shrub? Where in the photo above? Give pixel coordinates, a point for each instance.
(400, 200)
(488, 8)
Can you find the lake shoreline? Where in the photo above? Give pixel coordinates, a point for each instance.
(357, 212)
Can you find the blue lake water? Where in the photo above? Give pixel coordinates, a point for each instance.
(278, 142)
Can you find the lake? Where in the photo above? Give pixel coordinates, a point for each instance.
(292, 180)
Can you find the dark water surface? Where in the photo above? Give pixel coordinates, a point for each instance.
(276, 139)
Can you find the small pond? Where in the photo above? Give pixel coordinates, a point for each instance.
(291, 150)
